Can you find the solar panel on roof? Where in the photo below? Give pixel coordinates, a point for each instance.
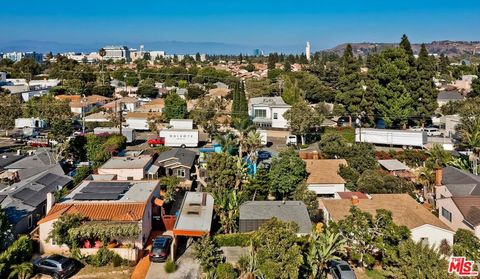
(104, 189)
(104, 183)
(96, 196)
(53, 179)
(24, 194)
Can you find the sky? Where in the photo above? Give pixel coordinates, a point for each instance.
(325, 23)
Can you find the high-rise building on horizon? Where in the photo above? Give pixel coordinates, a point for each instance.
(117, 52)
(308, 51)
(257, 52)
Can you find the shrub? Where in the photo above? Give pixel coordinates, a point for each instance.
(233, 239)
(101, 258)
(117, 260)
(226, 271)
(20, 251)
(170, 266)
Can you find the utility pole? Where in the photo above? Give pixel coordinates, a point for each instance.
(121, 116)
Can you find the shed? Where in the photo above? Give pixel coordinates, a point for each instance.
(393, 165)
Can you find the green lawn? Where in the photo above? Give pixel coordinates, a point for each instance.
(347, 133)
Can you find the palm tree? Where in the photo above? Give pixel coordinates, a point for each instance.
(469, 130)
(425, 177)
(323, 248)
(102, 52)
(253, 142)
(21, 271)
(438, 157)
(228, 142)
(243, 126)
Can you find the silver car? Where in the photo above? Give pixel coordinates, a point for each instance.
(342, 270)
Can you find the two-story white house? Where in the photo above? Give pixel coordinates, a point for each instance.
(268, 112)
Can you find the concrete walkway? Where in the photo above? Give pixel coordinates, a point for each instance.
(187, 268)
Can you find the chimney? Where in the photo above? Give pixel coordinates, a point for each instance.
(50, 202)
(438, 177)
(355, 200)
(315, 155)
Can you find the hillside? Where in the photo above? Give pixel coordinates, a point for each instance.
(449, 48)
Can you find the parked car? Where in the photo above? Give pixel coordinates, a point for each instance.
(264, 155)
(57, 266)
(156, 141)
(160, 248)
(416, 128)
(341, 270)
(291, 140)
(433, 132)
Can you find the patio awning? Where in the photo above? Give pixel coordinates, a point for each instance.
(153, 169)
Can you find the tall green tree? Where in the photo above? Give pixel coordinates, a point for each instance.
(6, 236)
(356, 99)
(207, 252)
(278, 254)
(175, 107)
(10, 109)
(302, 118)
(405, 45)
(292, 93)
(286, 172)
(416, 260)
(424, 92)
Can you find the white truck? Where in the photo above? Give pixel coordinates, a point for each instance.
(180, 137)
(263, 136)
(403, 138)
(128, 133)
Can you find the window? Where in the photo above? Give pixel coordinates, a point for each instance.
(275, 115)
(181, 173)
(424, 240)
(30, 221)
(48, 264)
(447, 214)
(129, 177)
(260, 113)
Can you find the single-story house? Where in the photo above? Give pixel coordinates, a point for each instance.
(155, 105)
(140, 120)
(460, 213)
(323, 177)
(254, 213)
(127, 168)
(350, 195)
(424, 226)
(108, 203)
(128, 104)
(453, 182)
(25, 202)
(99, 117)
(178, 162)
(444, 97)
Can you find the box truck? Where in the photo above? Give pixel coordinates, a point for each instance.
(128, 133)
(180, 137)
(403, 138)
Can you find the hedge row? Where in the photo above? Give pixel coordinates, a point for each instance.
(234, 239)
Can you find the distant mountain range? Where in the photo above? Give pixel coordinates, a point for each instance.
(449, 48)
(170, 47)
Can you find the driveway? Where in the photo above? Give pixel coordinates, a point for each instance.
(187, 268)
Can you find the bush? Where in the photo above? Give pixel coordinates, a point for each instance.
(117, 260)
(234, 239)
(226, 271)
(20, 251)
(101, 258)
(170, 266)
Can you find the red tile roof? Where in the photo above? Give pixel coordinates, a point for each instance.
(98, 211)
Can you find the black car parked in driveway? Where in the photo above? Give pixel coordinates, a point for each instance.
(160, 248)
(57, 266)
